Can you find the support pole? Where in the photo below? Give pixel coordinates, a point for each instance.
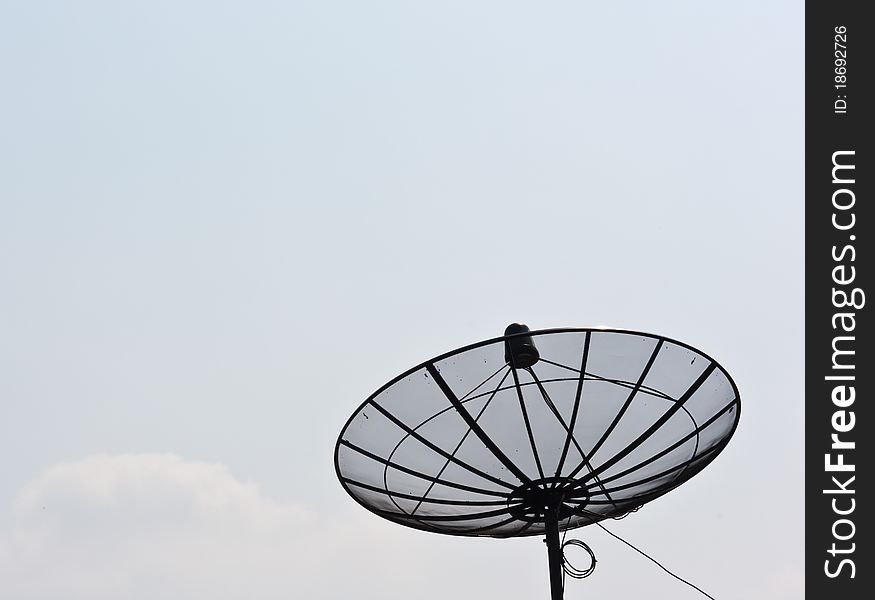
(554, 553)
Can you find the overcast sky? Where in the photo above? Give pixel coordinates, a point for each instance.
(223, 225)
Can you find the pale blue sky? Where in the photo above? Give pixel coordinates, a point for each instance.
(223, 225)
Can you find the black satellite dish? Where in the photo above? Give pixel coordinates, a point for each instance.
(537, 432)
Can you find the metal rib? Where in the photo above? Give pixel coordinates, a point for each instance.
(675, 445)
(558, 416)
(525, 413)
(420, 475)
(439, 450)
(656, 426)
(626, 404)
(459, 445)
(441, 501)
(478, 431)
(576, 406)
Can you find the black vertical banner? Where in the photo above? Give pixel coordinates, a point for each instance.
(839, 366)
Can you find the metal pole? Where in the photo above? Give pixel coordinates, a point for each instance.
(554, 553)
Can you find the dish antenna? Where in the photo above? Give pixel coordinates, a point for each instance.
(537, 432)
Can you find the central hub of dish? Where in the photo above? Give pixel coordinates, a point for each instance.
(533, 500)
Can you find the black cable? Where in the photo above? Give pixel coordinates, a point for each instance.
(561, 545)
(653, 560)
(570, 569)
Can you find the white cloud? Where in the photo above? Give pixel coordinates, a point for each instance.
(147, 526)
(156, 526)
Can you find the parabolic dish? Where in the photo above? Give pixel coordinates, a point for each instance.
(482, 441)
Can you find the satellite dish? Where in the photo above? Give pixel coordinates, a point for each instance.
(537, 432)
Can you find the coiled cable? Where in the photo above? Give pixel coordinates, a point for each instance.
(570, 569)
